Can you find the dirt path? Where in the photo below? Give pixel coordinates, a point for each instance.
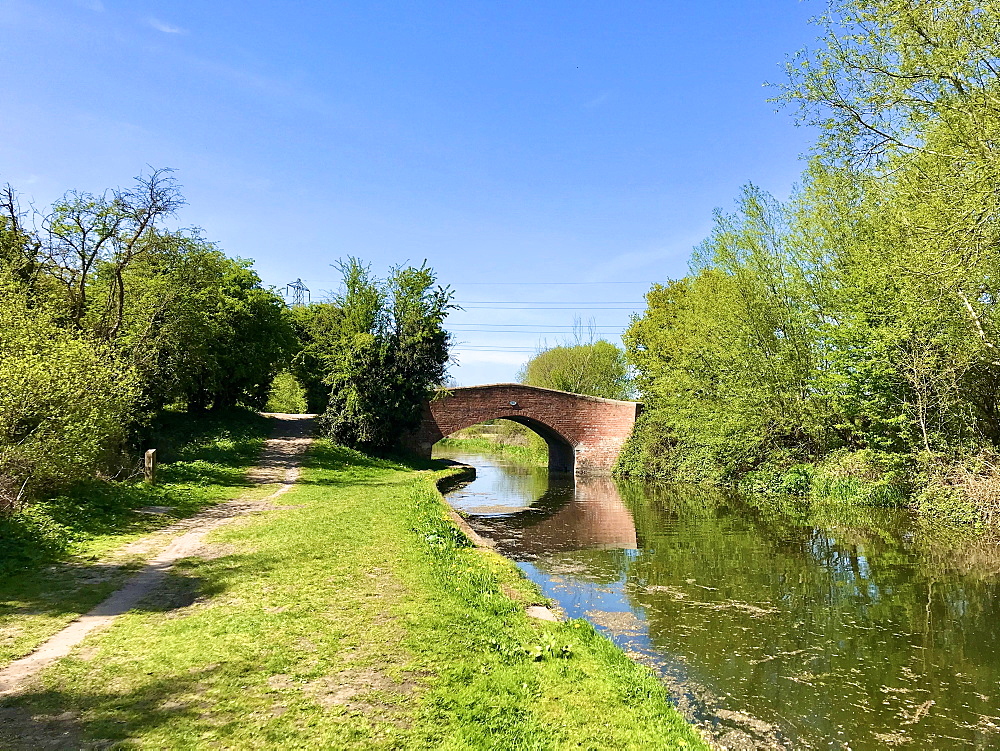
(279, 463)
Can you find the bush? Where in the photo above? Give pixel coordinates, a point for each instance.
(869, 477)
(777, 477)
(656, 450)
(963, 489)
(65, 404)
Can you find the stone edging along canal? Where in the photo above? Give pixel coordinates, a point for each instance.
(463, 473)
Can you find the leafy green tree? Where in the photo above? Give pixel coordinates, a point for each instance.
(66, 403)
(318, 330)
(597, 368)
(906, 97)
(202, 328)
(286, 395)
(90, 240)
(391, 354)
(861, 315)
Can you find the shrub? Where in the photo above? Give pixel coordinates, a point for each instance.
(868, 477)
(963, 489)
(65, 404)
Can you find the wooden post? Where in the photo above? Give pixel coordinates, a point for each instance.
(150, 468)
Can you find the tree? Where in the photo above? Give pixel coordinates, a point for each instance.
(888, 70)
(106, 317)
(89, 238)
(202, 329)
(391, 353)
(597, 368)
(66, 404)
(318, 330)
(908, 99)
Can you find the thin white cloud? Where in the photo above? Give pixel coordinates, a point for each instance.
(165, 27)
(659, 263)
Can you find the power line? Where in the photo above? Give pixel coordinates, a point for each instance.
(578, 307)
(552, 302)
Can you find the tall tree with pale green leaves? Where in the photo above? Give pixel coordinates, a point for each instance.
(863, 313)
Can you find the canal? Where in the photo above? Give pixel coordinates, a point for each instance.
(775, 624)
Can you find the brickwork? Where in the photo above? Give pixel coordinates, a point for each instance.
(584, 433)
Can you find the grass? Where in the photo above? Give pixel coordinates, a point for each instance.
(525, 454)
(357, 617)
(57, 558)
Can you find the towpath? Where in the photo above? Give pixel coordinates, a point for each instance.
(279, 464)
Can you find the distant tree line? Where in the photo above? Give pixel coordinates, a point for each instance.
(849, 336)
(108, 317)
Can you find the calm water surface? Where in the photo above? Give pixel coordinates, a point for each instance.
(775, 625)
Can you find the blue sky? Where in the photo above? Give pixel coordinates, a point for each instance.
(549, 159)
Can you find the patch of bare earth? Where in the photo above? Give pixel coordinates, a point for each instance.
(369, 691)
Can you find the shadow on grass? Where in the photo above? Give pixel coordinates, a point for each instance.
(52, 718)
(67, 589)
(79, 717)
(210, 453)
(210, 436)
(42, 581)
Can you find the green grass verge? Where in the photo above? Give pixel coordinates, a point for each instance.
(55, 557)
(525, 454)
(357, 618)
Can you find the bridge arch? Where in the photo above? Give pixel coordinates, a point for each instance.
(584, 433)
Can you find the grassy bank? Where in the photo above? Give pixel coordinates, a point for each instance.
(61, 557)
(525, 454)
(356, 617)
(960, 487)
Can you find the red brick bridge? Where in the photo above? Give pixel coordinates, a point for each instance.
(584, 433)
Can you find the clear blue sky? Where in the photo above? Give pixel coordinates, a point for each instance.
(504, 142)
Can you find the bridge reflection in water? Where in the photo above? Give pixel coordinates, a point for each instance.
(568, 513)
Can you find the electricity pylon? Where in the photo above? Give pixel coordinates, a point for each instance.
(299, 293)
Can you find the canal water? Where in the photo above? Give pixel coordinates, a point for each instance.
(774, 624)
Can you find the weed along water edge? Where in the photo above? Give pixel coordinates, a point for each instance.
(775, 624)
(353, 615)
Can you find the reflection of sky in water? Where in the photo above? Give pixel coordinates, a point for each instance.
(580, 598)
(499, 487)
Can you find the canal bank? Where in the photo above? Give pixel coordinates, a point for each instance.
(774, 624)
(353, 616)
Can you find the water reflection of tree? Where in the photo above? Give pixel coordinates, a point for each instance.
(819, 619)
